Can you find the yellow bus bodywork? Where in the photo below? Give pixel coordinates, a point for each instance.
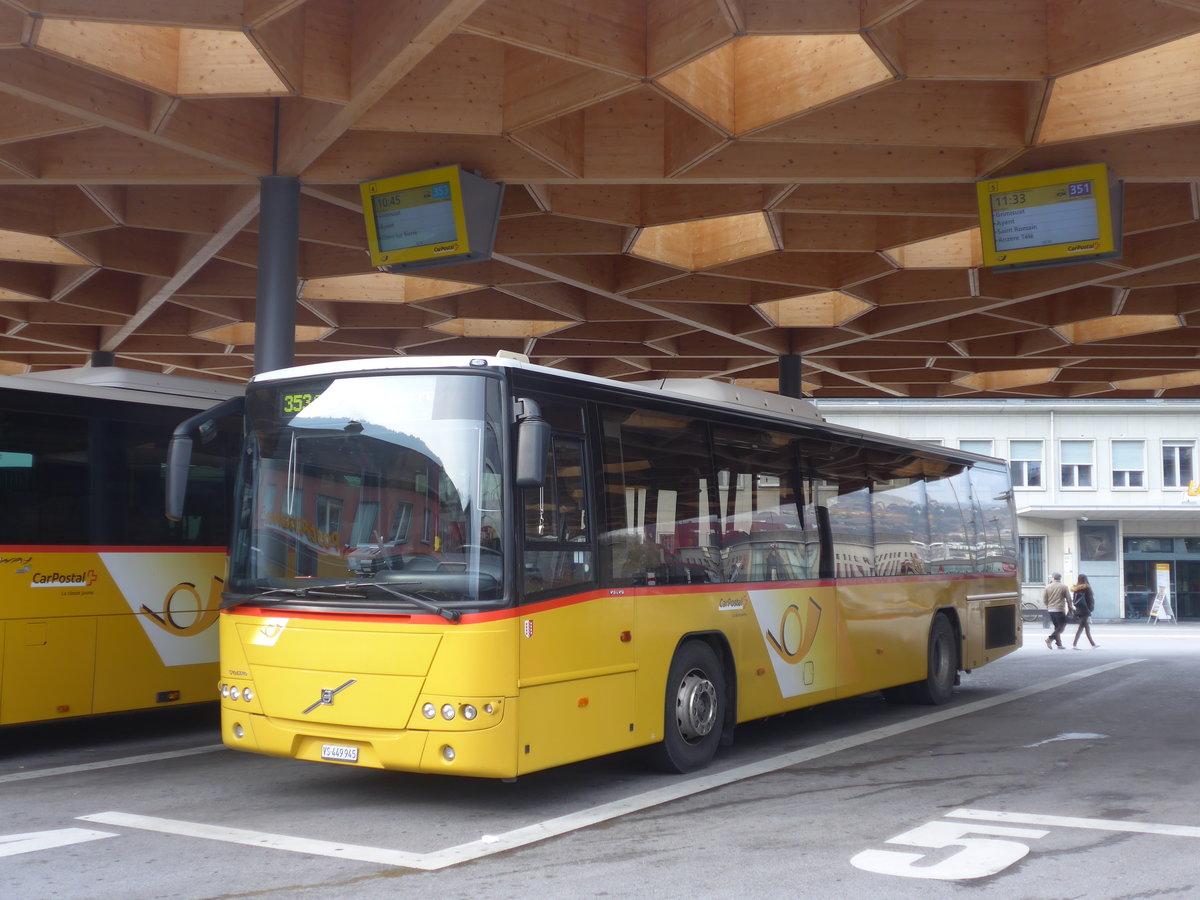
(98, 631)
(573, 678)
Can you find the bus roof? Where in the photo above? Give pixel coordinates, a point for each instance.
(115, 383)
(704, 391)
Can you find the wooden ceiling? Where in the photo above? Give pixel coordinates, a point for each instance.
(694, 187)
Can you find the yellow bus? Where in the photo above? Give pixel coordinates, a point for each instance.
(105, 606)
(485, 567)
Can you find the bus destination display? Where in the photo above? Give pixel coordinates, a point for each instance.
(1047, 218)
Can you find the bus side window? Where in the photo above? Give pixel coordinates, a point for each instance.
(767, 526)
(558, 549)
(658, 497)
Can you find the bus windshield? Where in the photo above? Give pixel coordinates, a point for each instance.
(371, 492)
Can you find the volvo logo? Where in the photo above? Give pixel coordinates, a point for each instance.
(327, 695)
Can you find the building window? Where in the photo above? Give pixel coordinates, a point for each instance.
(1075, 463)
(983, 447)
(1177, 463)
(1025, 463)
(1128, 464)
(1033, 560)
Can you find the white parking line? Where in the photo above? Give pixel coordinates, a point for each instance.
(540, 831)
(262, 839)
(109, 763)
(988, 815)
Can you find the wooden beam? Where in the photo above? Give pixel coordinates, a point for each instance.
(681, 30)
(919, 112)
(458, 90)
(242, 206)
(1129, 28)
(537, 88)
(1157, 87)
(209, 14)
(998, 40)
(388, 40)
(609, 36)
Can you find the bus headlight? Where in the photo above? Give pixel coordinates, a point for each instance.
(429, 710)
(247, 695)
(469, 712)
(447, 712)
(225, 690)
(234, 693)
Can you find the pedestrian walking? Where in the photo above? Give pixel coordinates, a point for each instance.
(1084, 601)
(1057, 600)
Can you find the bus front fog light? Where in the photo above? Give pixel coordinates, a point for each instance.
(447, 712)
(469, 712)
(247, 695)
(224, 690)
(489, 708)
(448, 753)
(429, 710)
(234, 693)
(239, 732)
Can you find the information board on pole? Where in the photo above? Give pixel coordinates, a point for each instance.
(1056, 217)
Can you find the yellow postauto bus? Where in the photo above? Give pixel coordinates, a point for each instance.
(484, 567)
(105, 606)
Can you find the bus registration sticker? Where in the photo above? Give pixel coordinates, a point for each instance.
(339, 753)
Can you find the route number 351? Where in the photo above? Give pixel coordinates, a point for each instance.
(977, 857)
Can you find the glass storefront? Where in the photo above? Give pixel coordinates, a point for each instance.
(1142, 557)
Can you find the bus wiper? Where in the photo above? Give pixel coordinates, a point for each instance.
(327, 591)
(450, 615)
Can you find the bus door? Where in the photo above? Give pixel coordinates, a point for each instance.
(576, 645)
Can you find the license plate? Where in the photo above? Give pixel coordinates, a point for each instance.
(338, 753)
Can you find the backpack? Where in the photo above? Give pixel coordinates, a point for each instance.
(1083, 606)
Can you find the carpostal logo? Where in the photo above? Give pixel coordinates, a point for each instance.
(726, 604)
(63, 579)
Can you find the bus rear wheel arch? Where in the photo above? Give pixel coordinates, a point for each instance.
(937, 686)
(696, 708)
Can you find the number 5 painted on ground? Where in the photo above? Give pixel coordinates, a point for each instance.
(978, 858)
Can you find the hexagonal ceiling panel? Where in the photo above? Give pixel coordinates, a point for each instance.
(693, 188)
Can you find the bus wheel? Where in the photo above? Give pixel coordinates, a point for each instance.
(695, 709)
(943, 665)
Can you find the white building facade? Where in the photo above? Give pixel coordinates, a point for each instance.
(1108, 489)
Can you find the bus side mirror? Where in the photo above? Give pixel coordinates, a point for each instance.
(179, 453)
(533, 442)
(179, 458)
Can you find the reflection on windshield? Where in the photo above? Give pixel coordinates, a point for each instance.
(384, 480)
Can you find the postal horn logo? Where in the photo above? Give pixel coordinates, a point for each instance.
(796, 637)
(184, 613)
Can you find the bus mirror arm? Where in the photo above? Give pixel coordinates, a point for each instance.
(179, 453)
(533, 441)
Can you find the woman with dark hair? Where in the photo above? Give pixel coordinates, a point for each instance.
(1085, 605)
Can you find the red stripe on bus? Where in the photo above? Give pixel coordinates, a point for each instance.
(92, 548)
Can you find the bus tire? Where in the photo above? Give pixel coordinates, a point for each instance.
(943, 666)
(694, 712)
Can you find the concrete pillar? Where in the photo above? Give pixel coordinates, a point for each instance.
(278, 273)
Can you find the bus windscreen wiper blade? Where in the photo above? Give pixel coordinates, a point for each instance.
(450, 615)
(329, 591)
